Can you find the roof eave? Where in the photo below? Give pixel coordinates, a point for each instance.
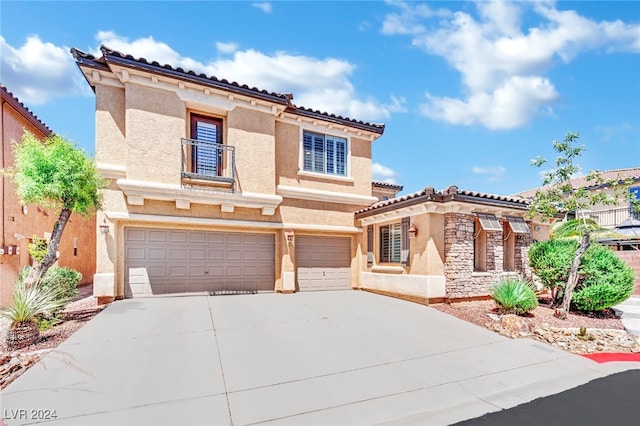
(192, 78)
(378, 129)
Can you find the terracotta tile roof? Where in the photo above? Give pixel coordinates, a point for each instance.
(449, 194)
(110, 56)
(386, 185)
(26, 112)
(582, 182)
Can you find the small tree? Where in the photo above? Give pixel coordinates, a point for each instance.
(54, 173)
(559, 196)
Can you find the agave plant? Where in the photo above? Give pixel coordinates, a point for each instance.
(514, 296)
(30, 302)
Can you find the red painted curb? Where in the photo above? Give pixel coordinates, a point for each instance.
(602, 357)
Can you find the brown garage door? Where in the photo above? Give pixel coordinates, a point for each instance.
(323, 263)
(161, 261)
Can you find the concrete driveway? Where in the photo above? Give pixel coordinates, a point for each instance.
(308, 358)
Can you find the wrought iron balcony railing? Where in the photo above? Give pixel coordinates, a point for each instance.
(207, 160)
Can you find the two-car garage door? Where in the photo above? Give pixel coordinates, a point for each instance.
(160, 261)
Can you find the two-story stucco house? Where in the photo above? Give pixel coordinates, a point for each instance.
(219, 187)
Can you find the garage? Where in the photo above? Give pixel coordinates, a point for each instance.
(169, 261)
(323, 263)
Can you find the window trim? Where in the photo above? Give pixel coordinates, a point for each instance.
(323, 132)
(194, 117)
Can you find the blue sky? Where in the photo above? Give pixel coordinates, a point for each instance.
(470, 92)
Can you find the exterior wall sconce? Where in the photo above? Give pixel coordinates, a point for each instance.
(289, 234)
(413, 231)
(104, 229)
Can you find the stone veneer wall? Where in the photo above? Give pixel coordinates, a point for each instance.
(461, 279)
(522, 265)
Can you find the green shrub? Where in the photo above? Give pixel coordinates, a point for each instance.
(514, 296)
(605, 280)
(551, 261)
(64, 279)
(33, 302)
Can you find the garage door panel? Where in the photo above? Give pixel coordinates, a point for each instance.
(197, 270)
(135, 253)
(231, 239)
(197, 237)
(215, 238)
(178, 236)
(177, 271)
(135, 235)
(177, 254)
(157, 254)
(157, 236)
(197, 254)
(215, 254)
(233, 254)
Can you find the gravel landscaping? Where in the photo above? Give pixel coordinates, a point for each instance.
(602, 333)
(14, 363)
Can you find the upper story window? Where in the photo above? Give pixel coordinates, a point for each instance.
(324, 154)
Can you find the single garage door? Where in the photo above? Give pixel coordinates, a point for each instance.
(323, 263)
(161, 261)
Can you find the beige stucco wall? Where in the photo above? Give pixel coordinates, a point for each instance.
(155, 123)
(111, 145)
(253, 135)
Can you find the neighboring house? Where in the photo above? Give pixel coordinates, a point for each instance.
(448, 245)
(606, 216)
(385, 191)
(218, 187)
(20, 223)
(621, 218)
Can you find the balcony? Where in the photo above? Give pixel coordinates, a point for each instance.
(204, 160)
(612, 217)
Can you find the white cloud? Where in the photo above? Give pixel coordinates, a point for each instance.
(501, 65)
(492, 174)
(263, 6)
(322, 84)
(38, 71)
(408, 20)
(380, 173)
(229, 47)
(509, 106)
